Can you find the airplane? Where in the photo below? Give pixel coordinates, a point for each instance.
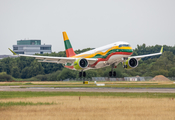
(108, 55)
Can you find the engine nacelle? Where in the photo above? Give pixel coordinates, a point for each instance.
(130, 63)
(81, 64)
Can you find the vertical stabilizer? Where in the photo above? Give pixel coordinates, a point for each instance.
(69, 50)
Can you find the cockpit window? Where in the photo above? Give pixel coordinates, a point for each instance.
(124, 45)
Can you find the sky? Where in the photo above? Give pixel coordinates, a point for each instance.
(88, 23)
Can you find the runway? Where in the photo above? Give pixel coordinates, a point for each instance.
(139, 90)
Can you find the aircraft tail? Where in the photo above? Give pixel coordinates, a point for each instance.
(69, 50)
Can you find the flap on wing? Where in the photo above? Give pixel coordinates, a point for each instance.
(58, 59)
(51, 59)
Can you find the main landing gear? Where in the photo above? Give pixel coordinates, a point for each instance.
(82, 74)
(112, 73)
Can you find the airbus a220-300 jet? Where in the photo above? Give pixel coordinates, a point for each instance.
(108, 55)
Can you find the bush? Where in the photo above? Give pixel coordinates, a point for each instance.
(5, 77)
(41, 77)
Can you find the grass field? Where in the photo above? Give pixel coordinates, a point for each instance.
(89, 108)
(10, 103)
(5, 95)
(121, 84)
(87, 105)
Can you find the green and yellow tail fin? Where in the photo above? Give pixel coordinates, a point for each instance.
(12, 51)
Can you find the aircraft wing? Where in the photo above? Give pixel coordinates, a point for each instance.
(51, 59)
(148, 55)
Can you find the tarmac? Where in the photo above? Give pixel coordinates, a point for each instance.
(40, 89)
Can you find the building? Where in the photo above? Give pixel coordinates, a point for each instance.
(31, 47)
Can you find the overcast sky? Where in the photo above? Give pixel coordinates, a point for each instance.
(90, 23)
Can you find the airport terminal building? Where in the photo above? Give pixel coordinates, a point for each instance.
(30, 47)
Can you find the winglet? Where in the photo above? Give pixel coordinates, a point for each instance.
(12, 51)
(161, 51)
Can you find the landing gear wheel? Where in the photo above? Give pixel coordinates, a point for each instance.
(80, 74)
(125, 66)
(114, 74)
(110, 74)
(84, 74)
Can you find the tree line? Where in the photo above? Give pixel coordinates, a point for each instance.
(29, 68)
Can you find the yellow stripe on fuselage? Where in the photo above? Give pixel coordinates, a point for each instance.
(99, 52)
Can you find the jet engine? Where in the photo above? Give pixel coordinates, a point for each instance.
(81, 64)
(130, 63)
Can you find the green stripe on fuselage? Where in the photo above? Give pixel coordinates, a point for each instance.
(67, 44)
(111, 51)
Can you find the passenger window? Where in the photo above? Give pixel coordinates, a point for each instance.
(125, 45)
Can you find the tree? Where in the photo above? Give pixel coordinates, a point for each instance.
(36, 68)
(25, 73)
(160, 72)
(51, 67)
(15, 72)
(172, 72)
(1, 67)
(53, 76)
(91, 73)
(67, 73)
